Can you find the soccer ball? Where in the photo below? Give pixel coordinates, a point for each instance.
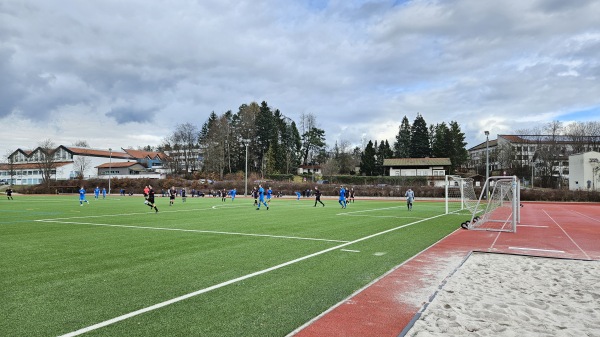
(145, 202)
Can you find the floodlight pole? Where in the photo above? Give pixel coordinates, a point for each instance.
(246, 141)
(532, 173)
(109, 168)
(487, 157)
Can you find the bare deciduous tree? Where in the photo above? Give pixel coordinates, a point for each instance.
(45, 161)
(81, 163)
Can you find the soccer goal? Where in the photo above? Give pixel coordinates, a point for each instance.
(498, 207)
(460, 194)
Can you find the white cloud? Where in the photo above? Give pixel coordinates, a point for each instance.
(120, 73)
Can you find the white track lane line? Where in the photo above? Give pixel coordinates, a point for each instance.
(586, 216)
(537, 249)
(570, 238)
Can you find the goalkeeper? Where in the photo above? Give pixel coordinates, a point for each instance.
(410, 197)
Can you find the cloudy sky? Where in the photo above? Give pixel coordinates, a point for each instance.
(121, 73)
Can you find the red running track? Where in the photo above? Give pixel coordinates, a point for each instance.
(387, 306)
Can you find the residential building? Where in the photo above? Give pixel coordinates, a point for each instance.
(480, 153)
(26, 167)
(310, 170)
(584, 171)
(528, 156)
(434, 169)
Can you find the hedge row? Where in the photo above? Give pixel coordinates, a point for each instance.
(391, 187)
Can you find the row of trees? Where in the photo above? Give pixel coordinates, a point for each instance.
(417, 141)
(275, 144)
(271, 143)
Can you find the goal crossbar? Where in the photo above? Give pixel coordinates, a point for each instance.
(498, 207)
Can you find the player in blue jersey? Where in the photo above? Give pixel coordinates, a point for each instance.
(298, 195)
(342, 200)
(233, 192)
(103, 193)
(96, 192)
(261, 197)
(82, 196)
(269, 194)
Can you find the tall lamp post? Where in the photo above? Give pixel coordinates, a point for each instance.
(246, 141)
(487, 158)
(109, 168)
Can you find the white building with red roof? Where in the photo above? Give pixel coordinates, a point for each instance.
(26, 167)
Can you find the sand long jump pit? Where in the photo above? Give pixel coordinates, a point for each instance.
(514, 295)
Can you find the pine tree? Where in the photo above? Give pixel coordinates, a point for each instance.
(419, 139)
(270, 161)
(367, 160)
(402, 144)
(313, 144)
(265, 126)
(459, 154)
(441, 144)
(383, 152)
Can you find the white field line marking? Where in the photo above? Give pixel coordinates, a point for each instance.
(372, 210)
(533, 226)
(537, 249)
(227, 206)
(30, 201)
(498, 235)
(586, 216)
(354, 213)
(350, 250)
(189, 230)
(126, 214)
(226, 283)
(380, 216)
(570, 238)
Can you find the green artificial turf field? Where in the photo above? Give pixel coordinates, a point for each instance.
(200, 268)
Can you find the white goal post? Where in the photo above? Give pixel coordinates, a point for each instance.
(498, 207)
(459, 194)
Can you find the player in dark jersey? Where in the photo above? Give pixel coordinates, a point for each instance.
(150, 199)
(255, 195)
(172, 194)
(9, 193)
(318, 196)
(223, 195)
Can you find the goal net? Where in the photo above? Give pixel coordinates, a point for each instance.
(460, 194)
(498, 207)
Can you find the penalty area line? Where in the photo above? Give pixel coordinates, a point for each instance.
(190, 230)
(125, 214)
(236, 280)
